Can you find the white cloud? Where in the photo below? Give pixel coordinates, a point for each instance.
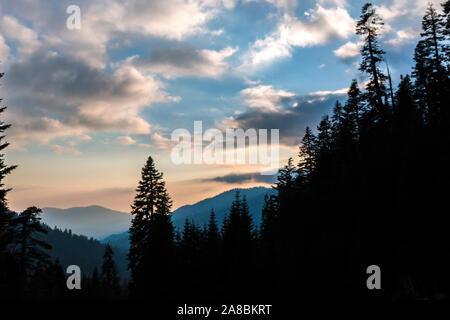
(125, 140)
(104, 21)
(328, 92)
(267, 50)
(13, 30)
(348, 51)
(172, 19)
(264, 97)
(323, 25)
(320, 26)
(403, 36)
(405, 9)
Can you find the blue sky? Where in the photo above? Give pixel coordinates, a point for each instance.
(89, 105)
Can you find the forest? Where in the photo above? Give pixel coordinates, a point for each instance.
(369, 187)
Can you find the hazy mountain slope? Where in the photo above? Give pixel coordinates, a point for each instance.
(221, 204)
(85, 252)
(92, 221)
(199, 212)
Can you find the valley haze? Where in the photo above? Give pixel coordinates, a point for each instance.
(111, 226)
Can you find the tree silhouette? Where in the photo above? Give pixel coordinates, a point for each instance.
(32, 249)
(151, 234)
(7, 234)
(369, 26)
(110, 282)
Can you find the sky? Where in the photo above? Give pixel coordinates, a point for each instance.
(89, 105)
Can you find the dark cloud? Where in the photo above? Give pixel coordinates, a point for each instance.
(187, 61)
(292, 122)
(234, 178)
(182, 57)
(52, 96)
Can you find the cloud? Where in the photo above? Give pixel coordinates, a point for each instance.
(285, 5)
(54, 96)
(103, 21)
(328, 93)
(187, 62)
(65, 150)
(173, 19)
(125, 140)
(403, 36)
(4, 50)
(13, 30)
(264, 97)
(290, 118)
(321, 25)
(267, 50)
(160, 142)
(236, 178)
(348, 51)
(402, 18)
(405, 9)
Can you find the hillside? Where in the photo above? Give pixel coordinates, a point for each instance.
(80, 250)
(199, 212)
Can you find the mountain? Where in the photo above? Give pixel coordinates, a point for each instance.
(199, 212)
(92, 221)
(87, 253)
(221, 204)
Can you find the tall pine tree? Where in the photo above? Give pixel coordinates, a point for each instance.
(110, 281)
(151, 235)
(369, 26)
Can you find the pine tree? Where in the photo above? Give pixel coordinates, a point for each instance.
(422, 84)
(324, 136)
(337, 118)
(446, 31)
(8, 265)
(446, 9)
(406, 111)
(369, 26)
(235, 213)
(268, 217)
(433, 35)
(94, 285)
(353, 110)
(6, 216)
(213, 235)
(110, 281)
(429, 71)
(32, 248)
(151, 233)
(246, 224)
(307, 154)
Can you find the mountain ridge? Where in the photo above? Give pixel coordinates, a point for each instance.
(199, 212)
(92, 221)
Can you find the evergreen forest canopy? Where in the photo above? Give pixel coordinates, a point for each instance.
(368, 188)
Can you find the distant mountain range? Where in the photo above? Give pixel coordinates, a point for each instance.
(112, 226)
(93, 221)
(200, 211)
